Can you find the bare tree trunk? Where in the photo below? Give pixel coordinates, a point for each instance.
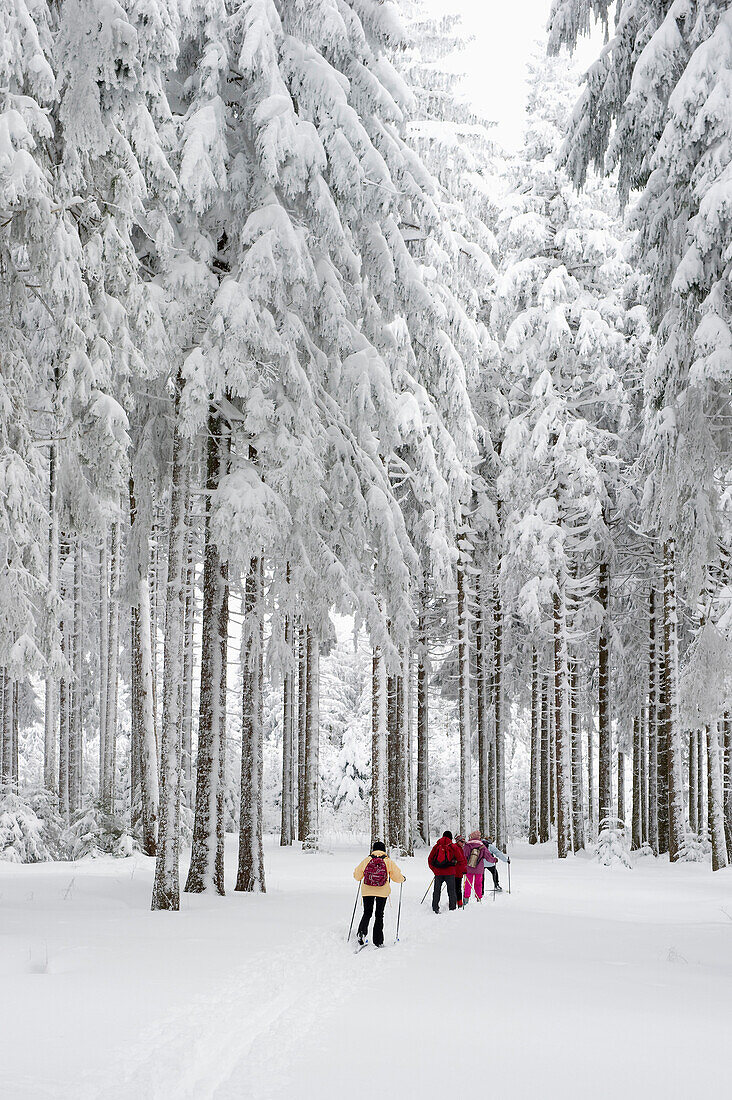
(287, 746)
(636, 840)
(76, 731)
(591, 785)
(671, 710)
(561, 729)
(50, 771)
(545, 764)
(403, 735)
(301, 726)
(653, 832)
(64, 709)
(166, 888)
(535, 769)
(702, 796)
(643, 725)
(621, 786)
(727, 746)
(392, 762)
(110, 740)
(378, 746)
(423, 748)
(482, 705)
(604, 703)
(409, 703)
(693, 782)
(6, 732)
(15, 773)
(250, 875)
(312, 744)
(499, 728)
(103, 657)
(464, 701)
(578, 786)
(188, 666)
(716, 799)
(206, 869)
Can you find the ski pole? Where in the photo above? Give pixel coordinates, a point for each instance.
(427, 890)
(353, 915)
(399, 912)
(509, 876)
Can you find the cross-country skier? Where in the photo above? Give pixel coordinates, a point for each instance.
(494, 854)
(476, 855)
(443, 861)
(375, 873)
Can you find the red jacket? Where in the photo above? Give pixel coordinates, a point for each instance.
(452, 852)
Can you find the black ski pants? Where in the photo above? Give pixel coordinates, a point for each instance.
(368, 909)
(493, 868)
(449, 881)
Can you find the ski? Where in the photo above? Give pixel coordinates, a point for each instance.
(360, 947)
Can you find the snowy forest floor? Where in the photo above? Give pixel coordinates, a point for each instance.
(584, 982)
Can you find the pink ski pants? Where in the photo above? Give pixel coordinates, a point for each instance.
(473, 879)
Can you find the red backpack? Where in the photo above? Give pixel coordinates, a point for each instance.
(375, 872)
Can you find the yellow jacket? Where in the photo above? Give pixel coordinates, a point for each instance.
(392, 870)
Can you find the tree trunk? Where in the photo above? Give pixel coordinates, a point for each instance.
(302, 707)
(482, 717)
(672, 729)
(535, 768)
(312, 743)
(50, 771)
(498, 730)
(693, 782)
(591, 785)
(76, 731)
(64, 715)
(206, 869)
(423, 748)
(604, 703)
(166, 888)
(716, 799)
(727, 745)
(702, 792)
(392, 762)
(578, 786)
(636, 840)
(412, 807)
(653, 832)
(464, 703)
(103, 657)
(561, 727)
(378, 746)
(188, 665)
(545, 768)
(250, 874)
(110, 736)
(16, 736)
(287, 738)
(644, 774)
(621, 787)
(6, 732)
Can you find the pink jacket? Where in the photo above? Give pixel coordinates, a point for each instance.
(484, 856)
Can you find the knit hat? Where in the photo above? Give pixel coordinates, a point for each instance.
(475, 835)
(377, 846)
(447, 834)
(460, 839)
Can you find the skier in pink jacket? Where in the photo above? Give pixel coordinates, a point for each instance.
(476, 856)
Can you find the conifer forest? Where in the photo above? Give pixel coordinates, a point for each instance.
(362, 476)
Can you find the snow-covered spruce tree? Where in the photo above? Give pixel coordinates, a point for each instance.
(662, 82)
(569, 341)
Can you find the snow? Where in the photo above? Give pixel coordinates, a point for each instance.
(585, 981)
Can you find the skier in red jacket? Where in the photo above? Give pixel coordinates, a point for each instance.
(444, 861)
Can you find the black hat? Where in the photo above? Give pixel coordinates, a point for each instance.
(377, 846)
(447, 834)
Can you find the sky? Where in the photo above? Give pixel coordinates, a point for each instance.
(505, 34)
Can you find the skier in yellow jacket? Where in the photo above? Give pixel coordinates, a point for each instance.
(375, 873)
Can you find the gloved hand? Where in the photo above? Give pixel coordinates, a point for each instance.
(509, 859)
